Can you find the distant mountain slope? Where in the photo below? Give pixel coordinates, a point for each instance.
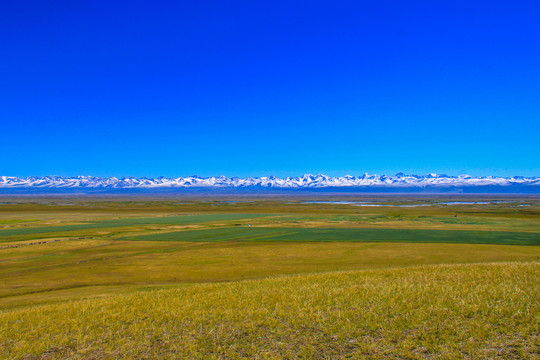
(367, 183)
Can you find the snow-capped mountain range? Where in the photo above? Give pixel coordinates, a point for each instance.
(398, 181)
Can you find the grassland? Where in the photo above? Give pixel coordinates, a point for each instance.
(47, 231)
(462, 311)
(82, 261)
(343, 234)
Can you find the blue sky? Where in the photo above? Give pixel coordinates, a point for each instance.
(250, 88)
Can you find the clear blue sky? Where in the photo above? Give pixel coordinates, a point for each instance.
(176, 88)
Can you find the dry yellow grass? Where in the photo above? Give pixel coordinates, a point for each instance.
(81, 268)
(477, 311)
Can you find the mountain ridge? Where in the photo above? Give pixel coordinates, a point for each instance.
(307, 181)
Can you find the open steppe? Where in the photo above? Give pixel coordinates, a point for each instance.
(269, 277)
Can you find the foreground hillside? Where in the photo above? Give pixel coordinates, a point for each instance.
(441, 311)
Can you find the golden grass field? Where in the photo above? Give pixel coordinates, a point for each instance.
(142, 278)
(441, 311)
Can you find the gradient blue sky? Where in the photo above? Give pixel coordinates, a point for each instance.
(242, 88)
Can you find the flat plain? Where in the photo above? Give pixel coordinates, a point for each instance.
(269, 277)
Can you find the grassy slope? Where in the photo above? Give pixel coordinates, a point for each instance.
(36, 274)
(459, 311)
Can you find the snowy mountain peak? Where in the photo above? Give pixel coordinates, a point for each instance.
(399, 180)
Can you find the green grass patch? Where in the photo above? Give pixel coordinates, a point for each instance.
(182, 219)
(340, 234)
(164, 220)
(51, 229)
